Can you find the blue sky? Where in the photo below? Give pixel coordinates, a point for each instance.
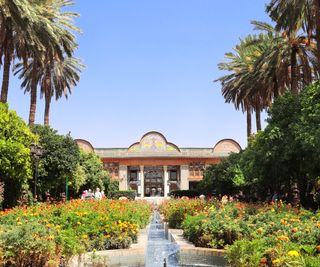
(151, 66)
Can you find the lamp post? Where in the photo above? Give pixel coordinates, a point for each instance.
(36, 153)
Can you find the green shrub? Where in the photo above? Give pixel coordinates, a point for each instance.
(245, 253)
(176, 210)
(184, 193)
(28, 244)
(130, 194)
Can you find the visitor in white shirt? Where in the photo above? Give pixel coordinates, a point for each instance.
(97, 194)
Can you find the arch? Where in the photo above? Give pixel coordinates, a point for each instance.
(153, 141)
(227, 146)
(85, 145)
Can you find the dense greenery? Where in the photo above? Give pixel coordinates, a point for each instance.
(40, 235)
(282, 157)
(58, 161)
(185, 193)
(176, 210)
(61, 161)
(94, 174)
(15, 162)
(129, 194)
(265, 235)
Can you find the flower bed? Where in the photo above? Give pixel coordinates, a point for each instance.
(264, 236)
(41, 235)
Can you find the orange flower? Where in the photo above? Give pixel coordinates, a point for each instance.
(283, 238)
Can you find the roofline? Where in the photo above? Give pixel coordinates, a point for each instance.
(86, 141)
(228, 139)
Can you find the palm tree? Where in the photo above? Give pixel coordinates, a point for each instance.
(59, 78)
(17, 30)
(291, 15)
(287, 59)
(56, 36)
(237, 87)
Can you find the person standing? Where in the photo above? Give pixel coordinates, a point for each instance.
(97, 194)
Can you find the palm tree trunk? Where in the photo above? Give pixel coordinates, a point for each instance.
(317, 18)
(47, 95)
(249, 127)
(275, 88)
(258, 119)
(294, 78)
(47, 107)
(33, 95)
(6, 77)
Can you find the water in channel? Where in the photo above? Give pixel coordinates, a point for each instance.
(160, 251)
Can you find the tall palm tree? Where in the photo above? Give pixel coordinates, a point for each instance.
(18, 19)
(291, 15)
(237, 86)
(58, 79)
(59, 41)
(287, 59)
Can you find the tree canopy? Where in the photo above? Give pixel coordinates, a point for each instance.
(15, 162)
(281, 158)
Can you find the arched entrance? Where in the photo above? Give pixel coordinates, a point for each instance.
(153, 181)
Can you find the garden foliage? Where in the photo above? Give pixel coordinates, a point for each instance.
(130, 194)
(184, 193)
(37, 235)
(15, 162)
(282, 157)
(253, 235)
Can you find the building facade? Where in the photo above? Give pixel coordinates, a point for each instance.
(154, 167)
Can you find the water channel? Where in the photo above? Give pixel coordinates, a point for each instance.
(162, 252)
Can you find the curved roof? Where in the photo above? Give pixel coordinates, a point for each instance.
(84, 144)
(153, 141)
(154, 144)
(227, 145)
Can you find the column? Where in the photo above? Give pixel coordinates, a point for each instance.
(141, 180)
(166, 179)
(184, 174)
(123, 177)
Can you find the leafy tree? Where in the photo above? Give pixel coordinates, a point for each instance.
(110, 185)
(274, 160)
(307, 134)
(59, 161)
(15, 162)
(279, 159)
(95, 175)
(225, 178)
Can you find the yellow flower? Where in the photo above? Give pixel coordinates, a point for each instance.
(84, 236)
(293, 253)
(50, 237)
(276, 261)
(19, 223)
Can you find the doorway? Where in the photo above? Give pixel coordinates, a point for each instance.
(153, 181)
